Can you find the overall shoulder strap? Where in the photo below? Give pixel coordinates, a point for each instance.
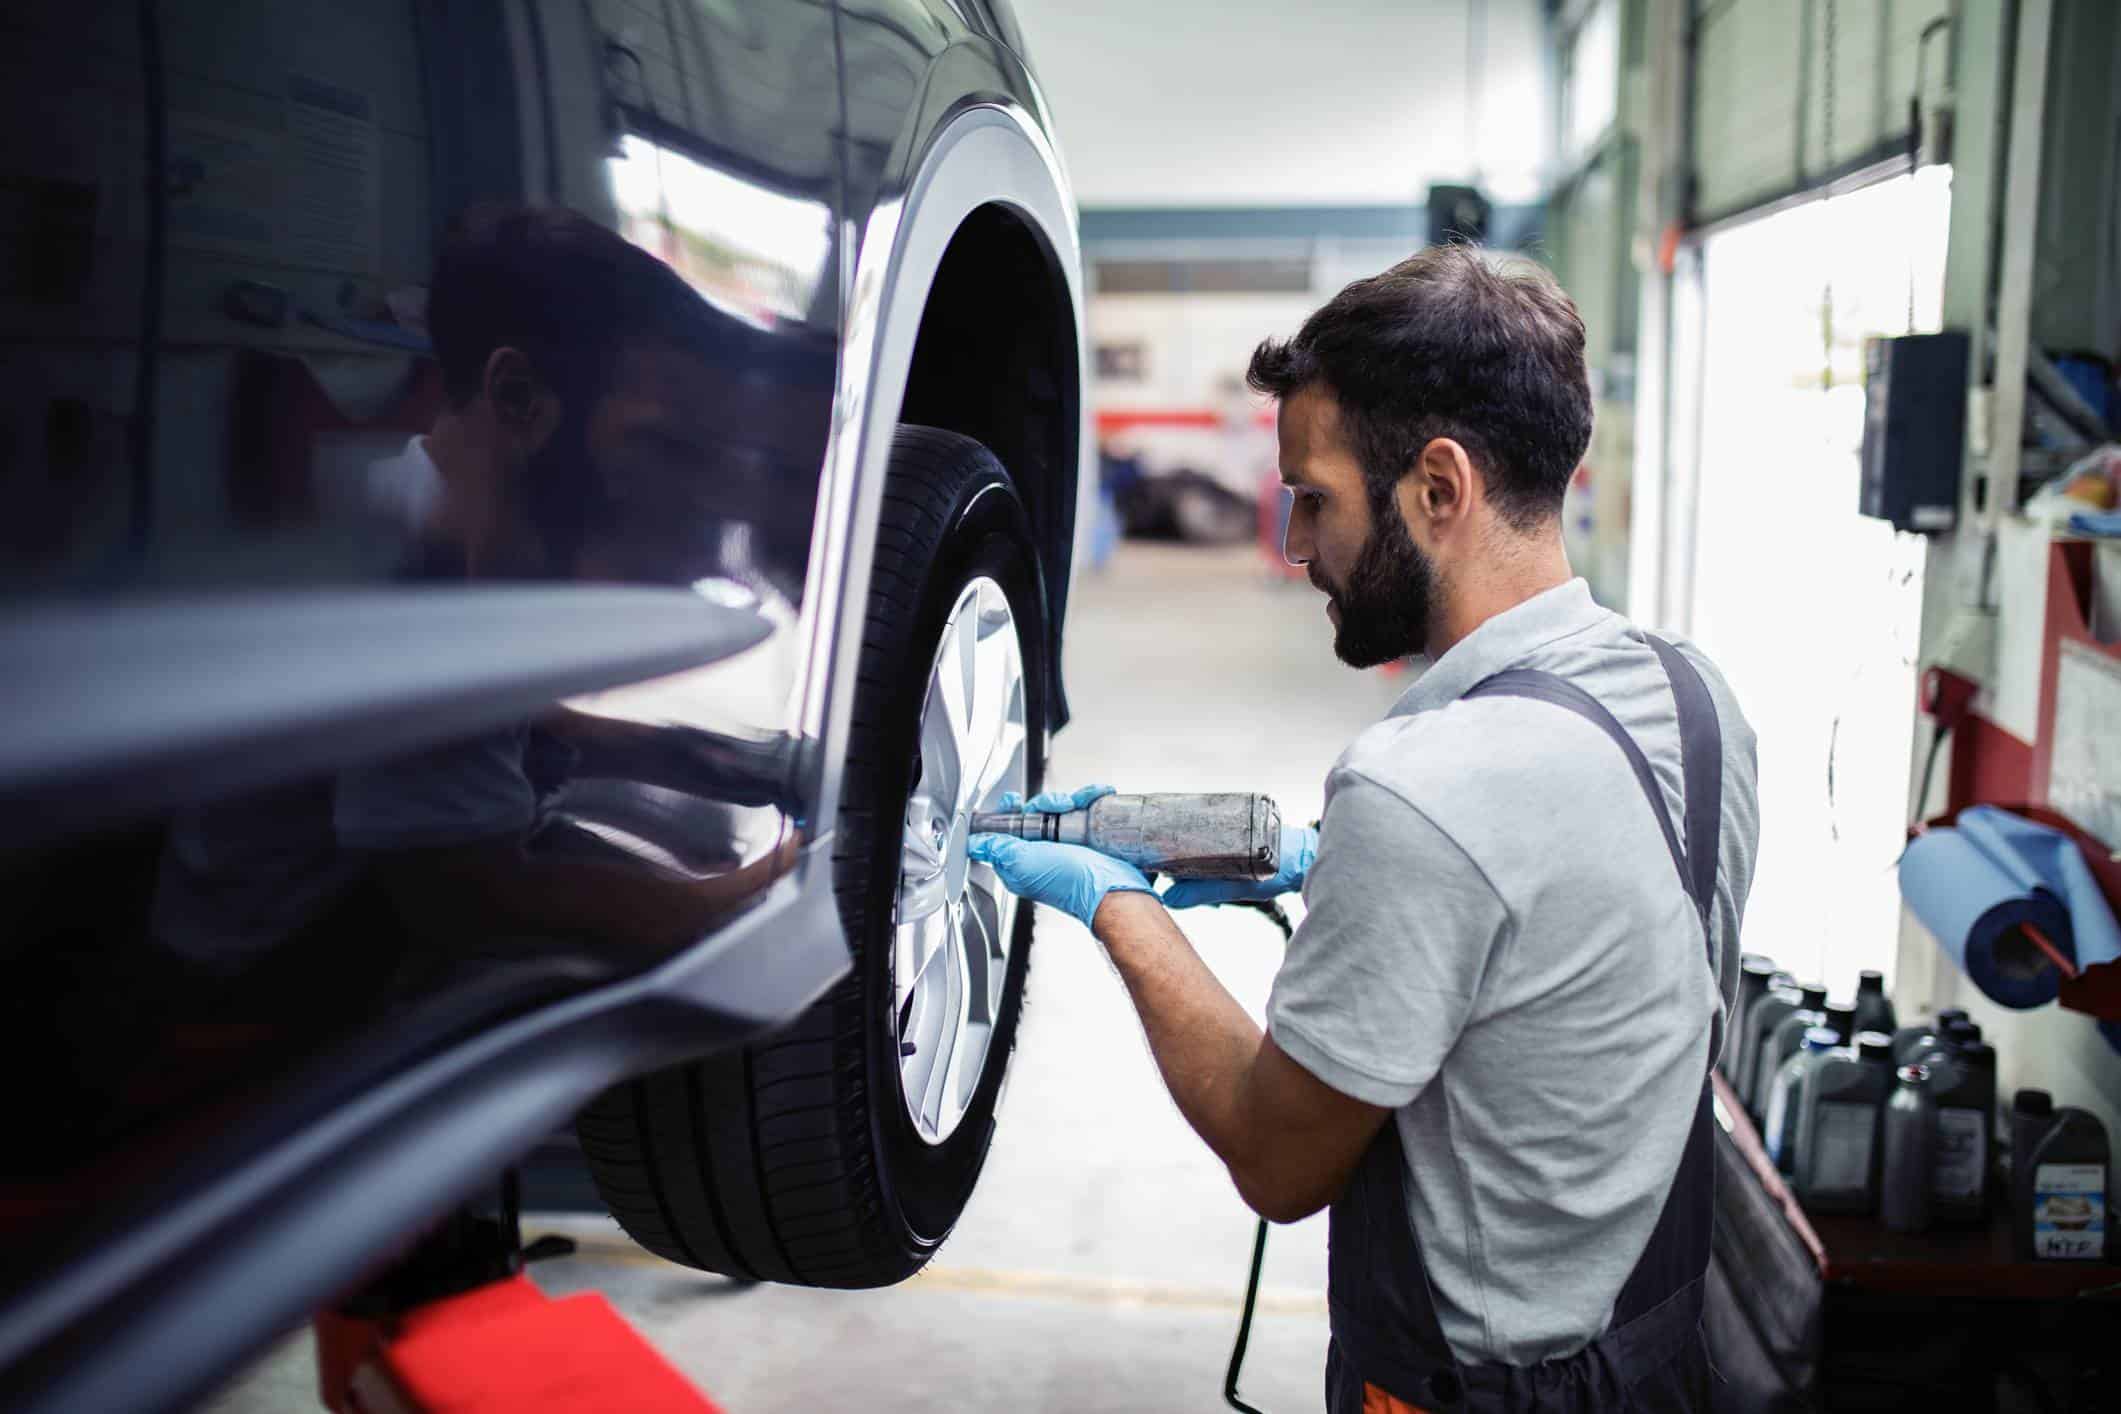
(1700, 756)
(1547, 687)
(1701, 767)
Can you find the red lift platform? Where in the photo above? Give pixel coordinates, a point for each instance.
(455, 1327)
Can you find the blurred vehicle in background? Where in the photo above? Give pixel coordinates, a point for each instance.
(528, 528)
(1186, 505)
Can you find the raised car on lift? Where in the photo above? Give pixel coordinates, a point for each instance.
(821, 625)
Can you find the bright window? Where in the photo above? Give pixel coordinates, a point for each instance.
(1811, 610)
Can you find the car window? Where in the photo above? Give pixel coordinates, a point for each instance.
(393, 400)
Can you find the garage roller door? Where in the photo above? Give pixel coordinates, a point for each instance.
(1789, 93)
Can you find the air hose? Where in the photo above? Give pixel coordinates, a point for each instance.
(1280, 918)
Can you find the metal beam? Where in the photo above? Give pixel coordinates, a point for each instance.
(2021, 218)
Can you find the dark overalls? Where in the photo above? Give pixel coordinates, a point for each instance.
(1385, 1328)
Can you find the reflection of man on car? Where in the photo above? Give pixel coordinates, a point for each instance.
(568, 357)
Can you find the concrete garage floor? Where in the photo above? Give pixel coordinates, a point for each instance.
(1100, 1265)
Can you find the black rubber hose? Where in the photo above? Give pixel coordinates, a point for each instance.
(1244, 1324)
(1938, 733)
(1277, 915)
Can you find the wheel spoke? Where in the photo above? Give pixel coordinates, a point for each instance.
(996, 908)
(1005, 767)
(916, 947)
(965, 627)
(942, 762)
(976, 941)
(922, 961)
(949, 709)
(998, 707)
(950, 1044)
(922, 898)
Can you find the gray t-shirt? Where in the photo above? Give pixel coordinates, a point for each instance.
(1499, 948)
(241, 876)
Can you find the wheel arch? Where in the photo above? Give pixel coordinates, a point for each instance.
(985, 196)
(998, 358)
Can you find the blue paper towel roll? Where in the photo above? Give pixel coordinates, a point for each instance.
(1975, 903)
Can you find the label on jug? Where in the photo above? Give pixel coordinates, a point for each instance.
(2069, 1211)
(1841, 1158)
(1961, 1156)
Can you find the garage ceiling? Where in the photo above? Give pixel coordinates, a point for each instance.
(1263, 103)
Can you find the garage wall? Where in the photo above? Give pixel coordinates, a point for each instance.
(2077, 262)
(1983, 584)
(1592, 245)
(1221, 102)
(1788, 92)
(1590, 238)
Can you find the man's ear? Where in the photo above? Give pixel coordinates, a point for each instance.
(1440, 487)
(524, 408)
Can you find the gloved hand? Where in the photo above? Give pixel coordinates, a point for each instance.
(1070, 877)
(1299, 847)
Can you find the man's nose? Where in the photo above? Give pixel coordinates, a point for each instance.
(1296, 546)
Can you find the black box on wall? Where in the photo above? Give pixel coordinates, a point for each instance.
(1458, 214)
(1914, 429)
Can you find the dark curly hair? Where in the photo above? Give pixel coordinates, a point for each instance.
(553, 283)
(1449, 344)
(570, 294)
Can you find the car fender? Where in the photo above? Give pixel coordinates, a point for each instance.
(985, 151)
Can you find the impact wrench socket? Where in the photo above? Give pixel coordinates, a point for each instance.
(1183, 836)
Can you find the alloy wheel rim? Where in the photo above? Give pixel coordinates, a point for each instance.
(953, 925)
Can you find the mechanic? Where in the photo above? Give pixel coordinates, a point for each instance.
(576, 368)
(1487, 1049)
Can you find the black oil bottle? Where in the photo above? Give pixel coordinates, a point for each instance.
(1785, 1040)
(2031, 1112)
(1779, 1000)
(1755, 975)
(1963, 1080)
(1874, 1010)
(2058, 1203)
(1907, 1040)
(1841, 1020)
(1907, 1137)
(1839, 1106)
(1783, 1129)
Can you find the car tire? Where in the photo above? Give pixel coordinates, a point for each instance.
(799, 1159)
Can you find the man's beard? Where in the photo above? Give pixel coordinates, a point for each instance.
(1384, 606)
(563, 499)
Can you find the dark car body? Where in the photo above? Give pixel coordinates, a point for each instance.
(222, 216)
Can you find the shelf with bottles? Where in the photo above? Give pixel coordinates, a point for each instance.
(1974, 1262)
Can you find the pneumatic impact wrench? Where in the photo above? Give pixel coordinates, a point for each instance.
(1181, 836)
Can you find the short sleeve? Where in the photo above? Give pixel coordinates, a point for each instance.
(1383, 973)
(466, 791)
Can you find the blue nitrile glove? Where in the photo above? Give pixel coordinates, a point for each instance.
(1299, 846)
(1055, 802)
(1071, 877)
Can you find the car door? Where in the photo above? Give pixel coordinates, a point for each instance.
(415, 415)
